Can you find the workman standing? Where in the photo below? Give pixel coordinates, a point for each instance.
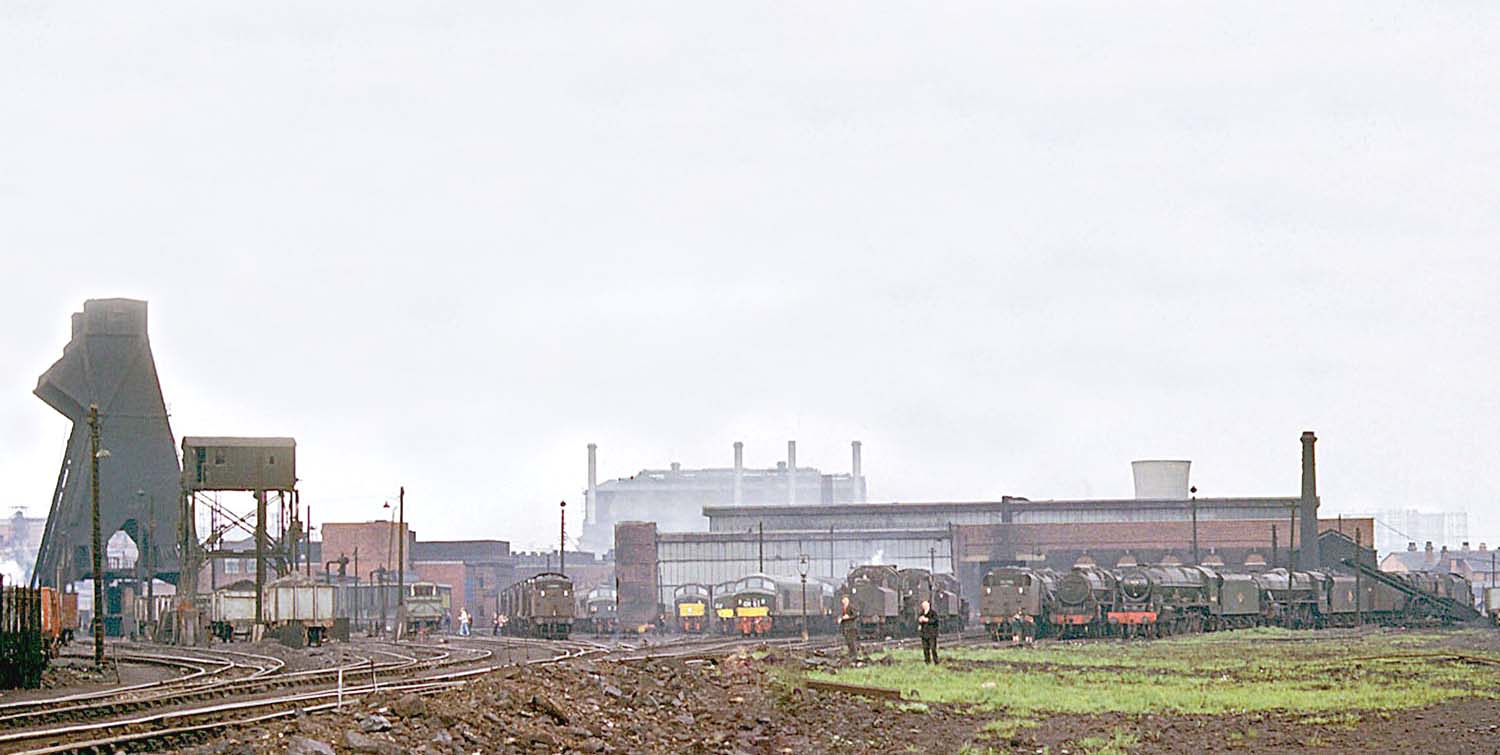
(849, 626)
(463, 622)
(927, 628)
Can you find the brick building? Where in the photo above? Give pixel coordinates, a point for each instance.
(374, 542)
(475, 569)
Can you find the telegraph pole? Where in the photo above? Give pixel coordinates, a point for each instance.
(98, 621)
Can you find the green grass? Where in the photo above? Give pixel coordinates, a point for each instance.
(1256, 670)
(1118, 743)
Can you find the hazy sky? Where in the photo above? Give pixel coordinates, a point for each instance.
(1010, 247)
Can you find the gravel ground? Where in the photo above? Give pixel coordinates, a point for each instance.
(728, 705)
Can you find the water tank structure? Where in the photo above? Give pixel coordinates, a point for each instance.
(1161, 479)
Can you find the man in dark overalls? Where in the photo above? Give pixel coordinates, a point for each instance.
(927, 628)
(849, 626)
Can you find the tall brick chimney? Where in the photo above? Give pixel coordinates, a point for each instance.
(1308, 508)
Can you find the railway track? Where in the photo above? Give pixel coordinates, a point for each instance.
(231, 689)
(175, 718)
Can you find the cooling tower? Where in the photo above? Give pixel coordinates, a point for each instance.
(1160, 478)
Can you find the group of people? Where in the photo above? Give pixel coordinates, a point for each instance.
(1022, 629)
(466, 623)
(928, 626)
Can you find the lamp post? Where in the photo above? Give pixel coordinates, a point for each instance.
(562, 538)
(802, 570)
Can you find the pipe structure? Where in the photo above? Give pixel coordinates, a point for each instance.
(856, 471)
(739, 473)
(590, 514)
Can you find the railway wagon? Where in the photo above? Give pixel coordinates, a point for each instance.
(539, 606)
(1008, 590)
(691, 604)
(765, 604)
(23, 646)
(875, 592)
(1161, 600)
(600, 613)
(299, 610)
(232, 611)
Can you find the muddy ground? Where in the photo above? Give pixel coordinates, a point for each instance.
(740, 704)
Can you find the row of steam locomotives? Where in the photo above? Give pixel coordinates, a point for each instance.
(1155, 601)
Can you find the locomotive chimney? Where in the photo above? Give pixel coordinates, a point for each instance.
(856, 473)
(791, 473)
(1308, 557)
(739, 473)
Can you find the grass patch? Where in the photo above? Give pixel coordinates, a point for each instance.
(1119, 742)
(1255, 670)
(1346, 720)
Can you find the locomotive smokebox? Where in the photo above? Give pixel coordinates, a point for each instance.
(1307, 557)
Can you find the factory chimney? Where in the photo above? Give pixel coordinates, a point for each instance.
(1308, 558)
(589, 509)
(857, 474)
(791, 473)
(739, 473)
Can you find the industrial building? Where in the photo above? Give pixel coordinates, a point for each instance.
(675, 498)
(1398, 527)
(1164, 523)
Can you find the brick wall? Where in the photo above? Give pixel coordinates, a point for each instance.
(373, 539)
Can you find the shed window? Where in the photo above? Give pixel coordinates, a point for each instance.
(218, 457)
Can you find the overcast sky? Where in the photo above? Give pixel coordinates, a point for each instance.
(1010, 247)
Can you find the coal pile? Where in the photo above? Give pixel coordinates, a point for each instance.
(737, 704)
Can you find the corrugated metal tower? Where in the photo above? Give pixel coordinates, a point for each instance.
(108, 362)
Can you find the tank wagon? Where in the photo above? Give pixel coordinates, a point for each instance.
(690, 608)
(1154, 601)
(539, 606)
(1491, 604)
